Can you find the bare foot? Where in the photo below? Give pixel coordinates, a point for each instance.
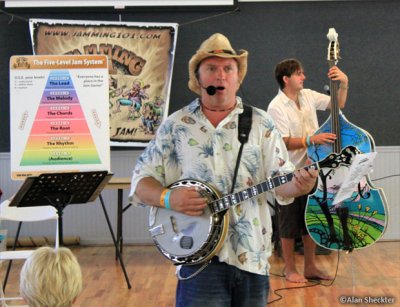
(295, 277)
(316, 274)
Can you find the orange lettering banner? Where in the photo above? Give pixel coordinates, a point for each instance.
(140, 58)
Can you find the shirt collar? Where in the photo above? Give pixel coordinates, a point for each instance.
(286, 100)
(195, 105)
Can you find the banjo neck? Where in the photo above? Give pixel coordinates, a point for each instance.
(333, 160)
(231, 200)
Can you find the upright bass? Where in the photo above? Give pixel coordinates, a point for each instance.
(361, 219)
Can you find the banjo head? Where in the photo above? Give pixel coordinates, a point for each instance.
(188, 239)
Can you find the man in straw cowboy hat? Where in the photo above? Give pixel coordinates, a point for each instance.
(200, 141)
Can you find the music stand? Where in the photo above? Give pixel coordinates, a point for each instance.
(62, 189)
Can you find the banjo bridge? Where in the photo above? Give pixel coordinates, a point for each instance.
(174, 224)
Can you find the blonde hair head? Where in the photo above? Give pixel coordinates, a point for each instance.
(51, 277)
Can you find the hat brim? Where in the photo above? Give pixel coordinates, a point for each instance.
(240, 57)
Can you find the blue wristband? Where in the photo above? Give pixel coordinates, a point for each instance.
(166, 200)
(308, 141)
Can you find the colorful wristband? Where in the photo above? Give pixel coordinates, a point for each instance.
(308, 141)
(162, 197)
(166, 200)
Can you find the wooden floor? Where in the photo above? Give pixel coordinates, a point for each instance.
(367, 274)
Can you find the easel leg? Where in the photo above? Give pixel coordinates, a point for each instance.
(115, 242)
(10, 262)
(60, 212)
(119, 222)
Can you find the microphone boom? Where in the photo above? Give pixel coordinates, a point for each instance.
(211, 89)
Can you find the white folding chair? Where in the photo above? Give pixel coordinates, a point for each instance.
(4, 300)
(21, 215)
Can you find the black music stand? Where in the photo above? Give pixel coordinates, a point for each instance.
(62, 189)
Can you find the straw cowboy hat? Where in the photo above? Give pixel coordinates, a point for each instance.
(216, 45)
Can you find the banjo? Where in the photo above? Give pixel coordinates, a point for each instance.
(190, 240)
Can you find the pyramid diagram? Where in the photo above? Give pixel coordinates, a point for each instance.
(60, 133)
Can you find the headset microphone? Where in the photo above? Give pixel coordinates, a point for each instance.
(211, 89)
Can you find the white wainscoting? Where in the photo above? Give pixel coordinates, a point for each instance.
(88, 222)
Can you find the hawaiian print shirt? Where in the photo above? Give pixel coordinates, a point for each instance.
(187, 145)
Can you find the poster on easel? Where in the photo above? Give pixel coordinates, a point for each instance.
(59, 114)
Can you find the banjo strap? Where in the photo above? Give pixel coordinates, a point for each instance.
(244, 128)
